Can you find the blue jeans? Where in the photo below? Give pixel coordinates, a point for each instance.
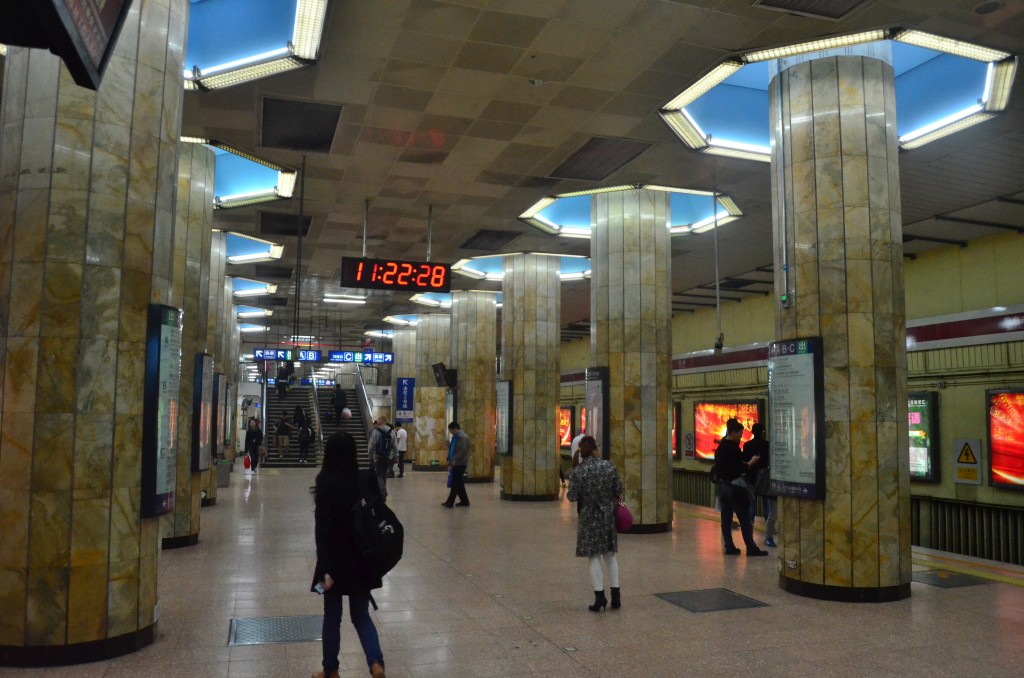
(359, 613)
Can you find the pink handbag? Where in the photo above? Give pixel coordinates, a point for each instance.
(623, 517)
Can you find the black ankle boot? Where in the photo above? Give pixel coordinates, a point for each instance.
(599, 601)
(616, 601)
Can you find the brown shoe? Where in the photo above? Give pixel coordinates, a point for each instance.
(377, 671)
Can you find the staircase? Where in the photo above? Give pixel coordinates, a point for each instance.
(275, 407)
(353, 426)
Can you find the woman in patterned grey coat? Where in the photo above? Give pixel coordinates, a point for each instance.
(595, 484)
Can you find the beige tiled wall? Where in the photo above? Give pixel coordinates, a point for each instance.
(631, 334)
(531, 311)
(87, 185)
(841, 207)
(430, 436)
(474, 347)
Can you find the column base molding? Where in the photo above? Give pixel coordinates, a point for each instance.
(653, 528)
(429, 467)
(479, 480)
(529, 497)
(168, 543)
(76, 653)
(208, 501)
(845, 594)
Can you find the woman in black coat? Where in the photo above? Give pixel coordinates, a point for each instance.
(337, 489)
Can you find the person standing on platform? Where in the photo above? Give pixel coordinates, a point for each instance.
(253, 440)
(402, 437)
(594, 486)
(458, 460)
(381, 447)
(758, 447)
(734, 494)
(339, 486)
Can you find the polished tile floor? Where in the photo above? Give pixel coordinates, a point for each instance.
(495, 590)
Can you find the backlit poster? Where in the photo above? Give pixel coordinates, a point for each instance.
(565, 432)
(503, 424)
(1006, 437)
(202, 412)
(597, 407)
(583, 420)
(796, 401)
(676, 446)
(160, 410)
(922, 420)
(709, 423)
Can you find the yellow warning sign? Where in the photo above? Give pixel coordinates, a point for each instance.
(966, 455)
(967, 474)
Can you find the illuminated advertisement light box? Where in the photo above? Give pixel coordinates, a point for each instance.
(202, 412)
(923, 430)
(565, 432)
(583, 419)
(796, 400)
(709, 423)
(1006, 437)
(160, 410)
(676, 445)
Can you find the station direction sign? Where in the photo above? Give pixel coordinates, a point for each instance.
(361, 357)
(271, 354)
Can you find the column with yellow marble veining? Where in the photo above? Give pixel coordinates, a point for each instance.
(531, 302)
(631, 335)
(430, 437)
(87, 199)
(191, 275)
(474, 354)
(835, 181)
(219, 318)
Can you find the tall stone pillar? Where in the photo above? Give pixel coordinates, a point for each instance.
(191, 276)
(403, 345)
(430, 442)
(219, 318)
(87, 186)
(835, 180)
(531, 296)
(474, 349)
(631, 334)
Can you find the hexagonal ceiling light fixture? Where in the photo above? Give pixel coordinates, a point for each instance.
(242, 179)
(942, 86)
(491, 267)
(690, 211)
(443, 300)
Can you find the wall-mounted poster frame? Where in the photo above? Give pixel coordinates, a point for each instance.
(709, 418)
(503, 424)
(202, 412)
(923, 431)
(566, 432)
(583, 420)
(1005, 437)
(597, 408)
(796, 401)
(677, 441)
(162, 383)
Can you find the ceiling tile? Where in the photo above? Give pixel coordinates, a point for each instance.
(412, 74)
(509, 111)
(425, 49)
(552, 67)
(501, 28)
(439, 18)
(585, 98)
(401, 97)
(492, 129)
(478, 56)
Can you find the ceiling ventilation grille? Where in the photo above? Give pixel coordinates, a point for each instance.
(299, 125)
(279, 223)
(833, 10)
(270, 271)
(599, 158)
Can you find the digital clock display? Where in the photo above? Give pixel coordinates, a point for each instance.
(394, 274)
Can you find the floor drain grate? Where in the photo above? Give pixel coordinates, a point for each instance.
(266, 630)
(947, 579)
(710, 600)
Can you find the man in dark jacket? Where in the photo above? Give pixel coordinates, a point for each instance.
(757, 447)
(733, 491)
(458, 460)
(253, 440)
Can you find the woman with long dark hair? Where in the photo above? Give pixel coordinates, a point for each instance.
(338, 487)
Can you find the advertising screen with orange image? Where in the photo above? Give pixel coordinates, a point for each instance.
(709, 423)
(1006, 437)
(565, 426)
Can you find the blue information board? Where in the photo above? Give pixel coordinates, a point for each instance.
(406, 387)
(363, 357)
(271, 354)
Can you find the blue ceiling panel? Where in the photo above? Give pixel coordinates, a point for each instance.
(573, 212)
(241, 285)
(239, 246)
(221, 31)
(734, 113)
(235, 175)
(574, 265)
(936, 89)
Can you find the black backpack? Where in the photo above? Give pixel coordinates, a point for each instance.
(377, 533)
(305, 434)
(384, 442)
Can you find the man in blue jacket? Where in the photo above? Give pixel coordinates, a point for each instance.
(458, 460)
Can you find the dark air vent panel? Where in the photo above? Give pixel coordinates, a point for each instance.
(279, 223)
(299, 125)
(489, 240)
(262, 271)
(273, 301)
(599, 157)
(832, 10)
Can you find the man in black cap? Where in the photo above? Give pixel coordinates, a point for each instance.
(734, 494)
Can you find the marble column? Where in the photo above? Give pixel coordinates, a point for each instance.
(474, 349)
(403, 345)
(87, 191)
(191, 276)
(531, 295)
(835, 181)
(217, 341)
(430, 439)
(631, 334)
